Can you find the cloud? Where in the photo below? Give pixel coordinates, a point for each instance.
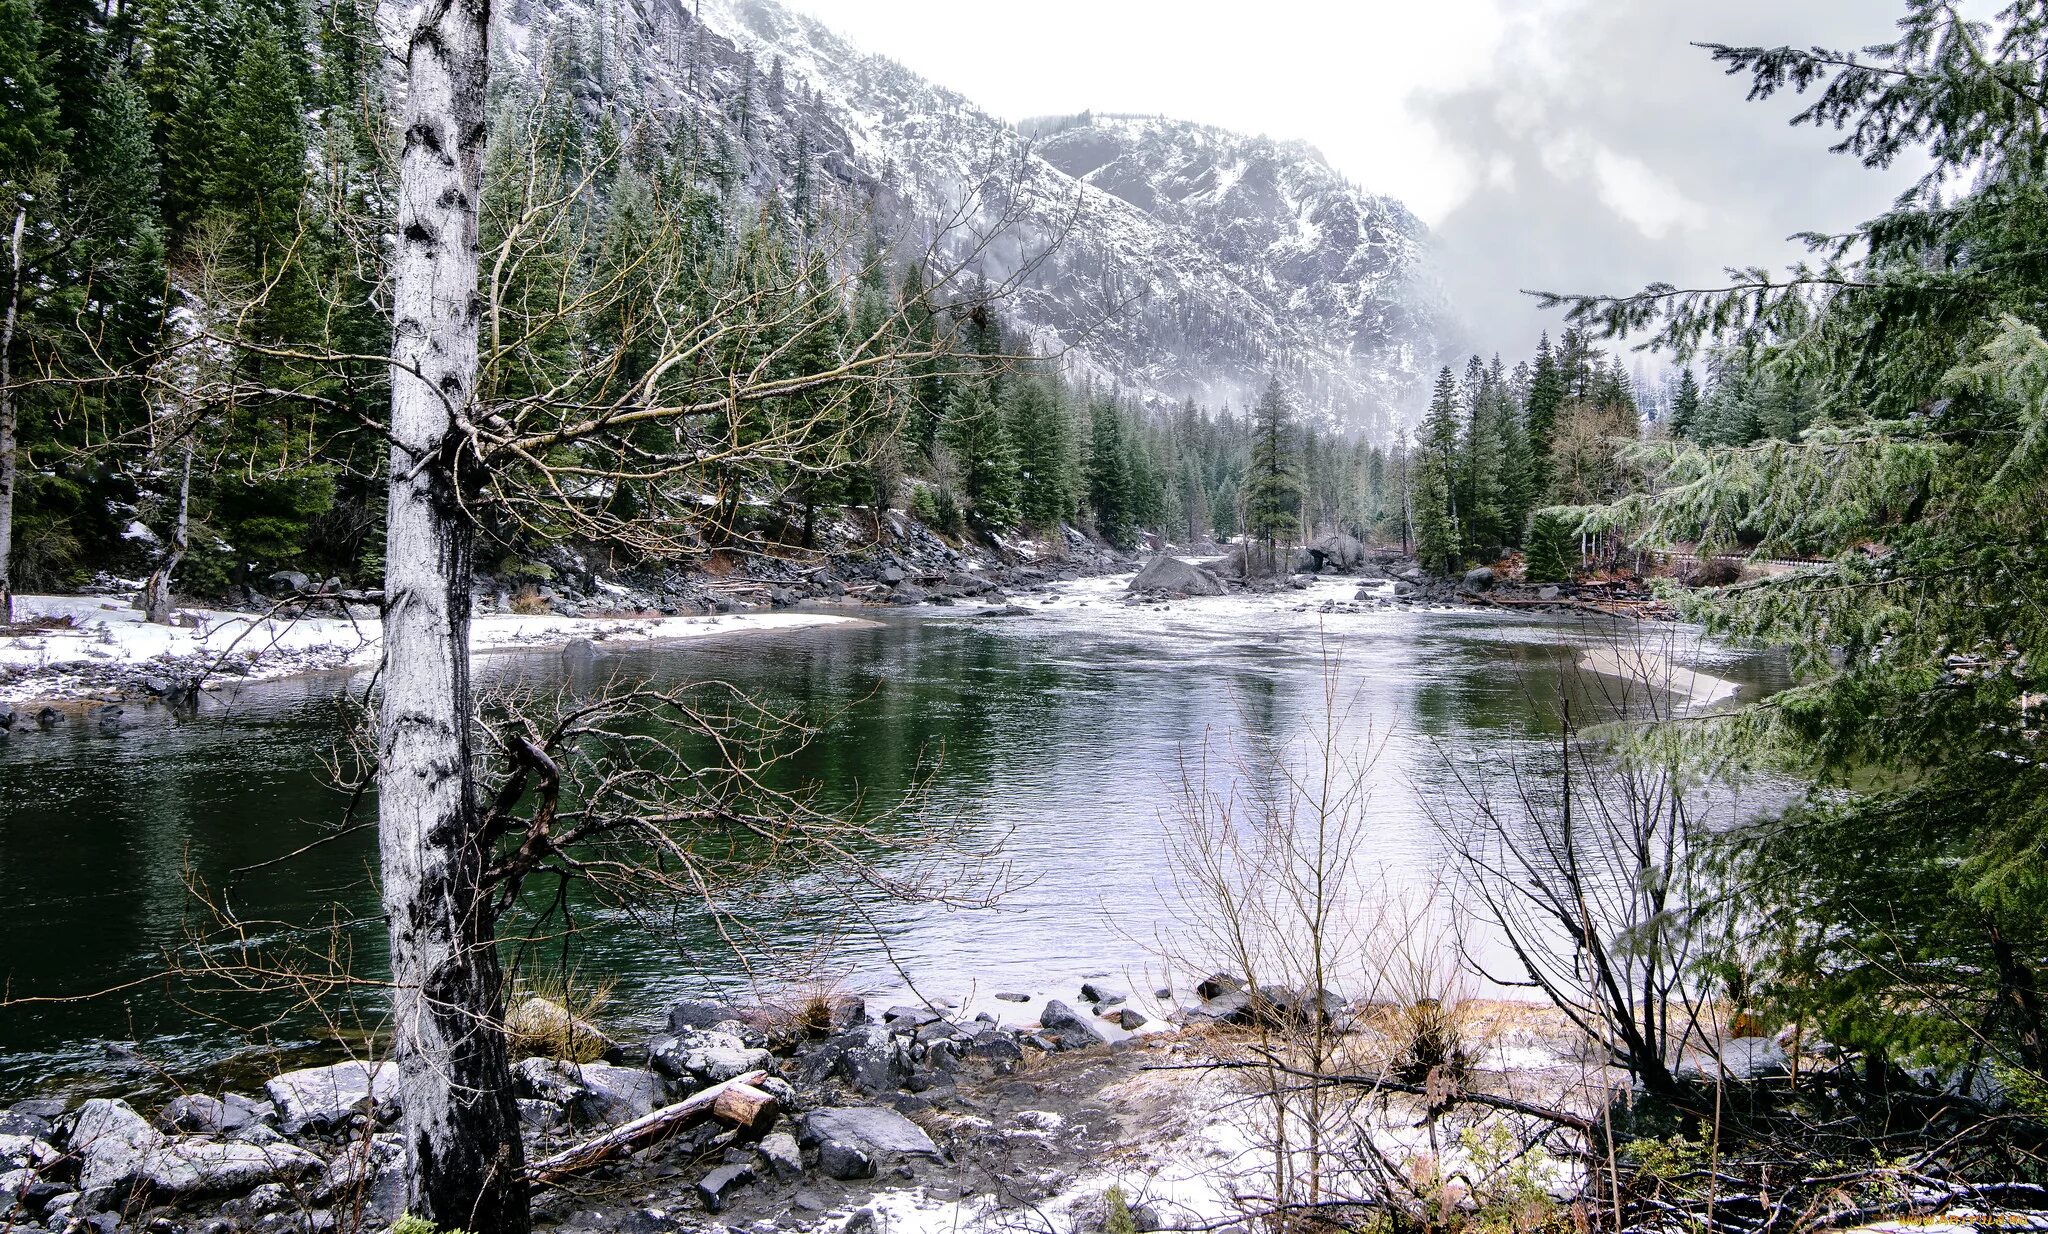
(1603, 151)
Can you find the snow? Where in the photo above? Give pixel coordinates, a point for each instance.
(55, 661)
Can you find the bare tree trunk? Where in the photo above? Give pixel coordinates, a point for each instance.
(464, 1164)
(10, 466)
(156, 596)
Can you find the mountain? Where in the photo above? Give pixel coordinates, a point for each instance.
(1165, 259)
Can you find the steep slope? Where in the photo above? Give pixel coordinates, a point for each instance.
(1168, 260)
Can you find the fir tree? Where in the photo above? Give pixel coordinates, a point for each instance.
(1273, 488)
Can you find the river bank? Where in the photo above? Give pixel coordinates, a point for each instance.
(906, 1118)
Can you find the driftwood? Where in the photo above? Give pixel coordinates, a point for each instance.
(747, 1107)
(643, 1130)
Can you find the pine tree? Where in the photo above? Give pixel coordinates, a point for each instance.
(1273, 488)
(1546, 399)
(1551, 551)
(1110, 483)
(1439, 543)
(1685, 405)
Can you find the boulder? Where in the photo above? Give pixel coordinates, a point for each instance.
(195, 1165)
(21, 1152)
(618, 1094)
(320, 1098)
(111, 1142)
(1481, 579)
(1215, 985)
(370, 1172)
(198, 1114)
(845, 1161)
(543, 1020)
(26, 1122)
(998, 1049)
(698, 1013)
(878, 1132)
(1103, 994)
(1164, 575)
(288, 582)
(780, 1153)
(1228, 1007)
(871, 1058)
(706, 1057)
(548, 1079)
(1337, 551)
(1068, 1028)
(1125, 1018)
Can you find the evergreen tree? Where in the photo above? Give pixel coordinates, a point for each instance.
(1685, 405)
(1273, 488)
(1110, 484)
(1552, 550)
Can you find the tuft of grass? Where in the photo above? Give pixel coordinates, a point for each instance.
(552, 1017)
(409, 1224)
(1429, 1041)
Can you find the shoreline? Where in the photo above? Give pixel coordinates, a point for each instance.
(108, 654)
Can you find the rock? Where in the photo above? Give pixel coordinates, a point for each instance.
(540, 1116)
(871, 1058)
(892, 575)
(707, 1057)
(199, 1114)
(21, 1152)
(1228, 1007)
(1337, 551)
(908, 593)
(548, 1079)
(18, 1121)
(698, 1013)
(1126, 1019)
(321, 1098)
(1067, 1027)
(998, 1049)
(618, 1094)
(370, 1172)
(1217, 984)
(545, 1021)
(1102, 994)
(111, 1141)
(1164, 575)
(875, 1131)
(845, 1161)
(716, 1188)
(1481, 579)
(1009, 997)
(1547, 593)
(1303, 1005)
(194, 1165)
(1404, 588)
(779, 1152)
(288, 582)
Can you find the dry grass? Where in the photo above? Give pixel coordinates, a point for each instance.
(528, 602)
(554, 1018)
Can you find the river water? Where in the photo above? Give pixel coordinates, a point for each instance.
(1062, 734)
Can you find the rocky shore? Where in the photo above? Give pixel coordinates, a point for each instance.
(822, 1114)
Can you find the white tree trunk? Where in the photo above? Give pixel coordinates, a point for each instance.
(463, 1157)
(156, 595)
(10, 466)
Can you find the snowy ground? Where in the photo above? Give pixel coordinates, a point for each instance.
(107, 640)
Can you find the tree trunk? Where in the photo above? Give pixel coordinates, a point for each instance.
(156, 596)
(10, 465)
(464, 1164)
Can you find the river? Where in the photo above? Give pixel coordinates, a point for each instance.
(1062, 734)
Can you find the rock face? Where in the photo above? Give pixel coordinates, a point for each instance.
(319, 1098)
(1164, 575)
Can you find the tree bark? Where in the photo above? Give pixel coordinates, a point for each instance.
(156, 595)
(10, 465)
(464, 1163)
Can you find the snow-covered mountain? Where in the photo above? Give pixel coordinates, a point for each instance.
(1170, 260)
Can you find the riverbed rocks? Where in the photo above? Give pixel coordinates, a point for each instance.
(704, 1056)
(1067, 1028)
(1170, 576)
(323, 1098)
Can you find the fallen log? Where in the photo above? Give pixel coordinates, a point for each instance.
(641, 1131)
(747, 1107)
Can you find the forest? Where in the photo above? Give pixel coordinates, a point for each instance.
(277, 306)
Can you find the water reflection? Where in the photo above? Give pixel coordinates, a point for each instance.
(1061, 734)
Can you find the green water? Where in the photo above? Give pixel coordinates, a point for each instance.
(1060, 734)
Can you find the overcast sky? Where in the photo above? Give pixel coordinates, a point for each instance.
(1561, 144)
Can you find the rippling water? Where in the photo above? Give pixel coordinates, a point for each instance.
(1061, 733)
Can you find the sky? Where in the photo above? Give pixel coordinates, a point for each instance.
(1568, 145)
